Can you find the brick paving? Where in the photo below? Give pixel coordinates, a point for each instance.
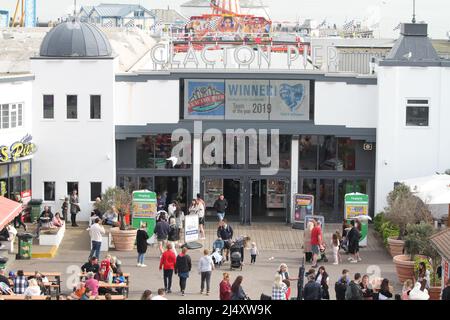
(278, 243)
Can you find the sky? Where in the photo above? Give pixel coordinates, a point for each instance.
(388, 12)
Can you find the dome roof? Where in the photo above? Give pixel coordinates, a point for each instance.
(75, 39)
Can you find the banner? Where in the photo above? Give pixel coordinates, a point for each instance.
(204, 99)
(191, 228)
(4, 19)
(251, 100)
(30, 13)
(304, 206)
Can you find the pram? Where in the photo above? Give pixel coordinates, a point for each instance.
(217, 258)
(322, 257)
(235, 257)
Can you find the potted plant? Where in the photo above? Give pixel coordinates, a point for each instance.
(124, 237)
(415, 243)
(403, 209)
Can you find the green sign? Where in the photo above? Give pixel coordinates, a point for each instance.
(144, 210)
(357, 206)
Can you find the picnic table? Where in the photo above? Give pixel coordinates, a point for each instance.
(54, 283)
(23, 297)
(106, 285)
(113, 297)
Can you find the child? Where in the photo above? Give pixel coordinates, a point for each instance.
(253, 253)
(335, 242)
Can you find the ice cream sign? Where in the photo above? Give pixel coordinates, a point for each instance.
(20, 149)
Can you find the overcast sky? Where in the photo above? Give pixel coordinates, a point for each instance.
(389, 12)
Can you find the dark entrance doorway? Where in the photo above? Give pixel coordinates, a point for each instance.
(176, 188)
(231, 189)
(269, 200)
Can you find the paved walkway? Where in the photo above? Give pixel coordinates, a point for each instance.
(277, 244)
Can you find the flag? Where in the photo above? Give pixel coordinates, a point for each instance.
(397, 27)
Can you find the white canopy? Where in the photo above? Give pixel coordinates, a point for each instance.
(433, 189)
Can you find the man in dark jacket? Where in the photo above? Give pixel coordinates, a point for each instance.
(183, 266)
(91, 266)
(221, 205)
(162, 230)
(341, 287)
(354, 291)
(225, 232)
(446, 291)
(312, 290)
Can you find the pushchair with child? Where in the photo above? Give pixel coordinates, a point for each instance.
(235, 257)
(322, 256)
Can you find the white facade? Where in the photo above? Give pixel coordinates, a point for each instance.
(405, 152)
(81, 150)
(15, 90)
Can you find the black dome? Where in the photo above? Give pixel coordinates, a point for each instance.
(75, 39)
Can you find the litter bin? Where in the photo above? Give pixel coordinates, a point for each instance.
(25, 243)
(3, 261)
(35, 205)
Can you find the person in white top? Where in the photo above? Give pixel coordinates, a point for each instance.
(33, 289)
(419, 292)
(205, 268)
(161, 295)
(96, 232)
(12, 232)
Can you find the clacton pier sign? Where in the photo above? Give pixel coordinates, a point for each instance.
(17, 150)
(164, 56)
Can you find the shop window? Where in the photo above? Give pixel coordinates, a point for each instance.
(153, 152)
(71, 187)
(417, 113)
(96, 190)
(96, 111)
(72, 107)
(309, 151)
(49, 191)
(347, 153)
(49, 106)
(328, 154)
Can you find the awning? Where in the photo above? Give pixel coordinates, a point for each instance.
(8, 211)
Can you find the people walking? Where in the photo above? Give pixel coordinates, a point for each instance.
(237, 292)
(225, 232)
(96, 233)
(141, 241)
(307, 241)
(322, 278)
(312, 290)
(18, 219)
(74, 208)
(354, 291)
(167, 264)
(183, 266)
(65, 208)
(335, 245)
(253, 253)
(205, 268)
(316, 242)
(174, 234)
(162, 229)
(279, 288)
(221, 205)
(225, 287)
(354, 237)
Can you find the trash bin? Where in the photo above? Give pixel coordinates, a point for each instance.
(25, 243)
(3, 261)
(35, 205)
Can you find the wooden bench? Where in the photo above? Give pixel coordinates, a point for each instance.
(23, 297)
(54, 279)
(113, 297)
(105, 285)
